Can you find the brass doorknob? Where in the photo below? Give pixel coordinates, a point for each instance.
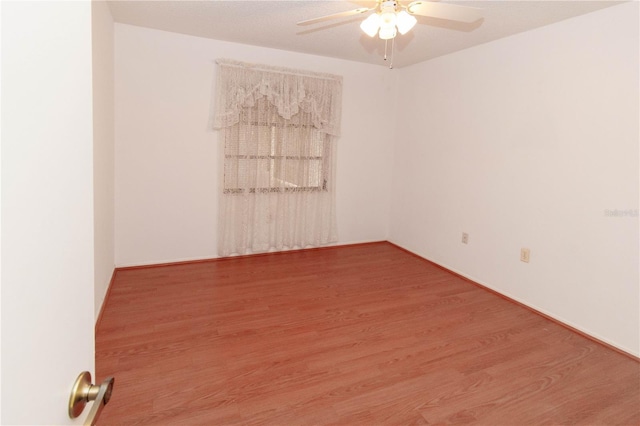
(83, 391)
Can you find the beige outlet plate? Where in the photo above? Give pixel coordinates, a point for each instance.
(524, 255)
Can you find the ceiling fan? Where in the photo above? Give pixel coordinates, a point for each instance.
(390, 17)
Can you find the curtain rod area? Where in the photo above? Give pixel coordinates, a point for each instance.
(274, 69)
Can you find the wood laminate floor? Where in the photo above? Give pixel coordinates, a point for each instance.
(355, 335)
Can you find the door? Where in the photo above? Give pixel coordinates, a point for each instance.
(47, 208)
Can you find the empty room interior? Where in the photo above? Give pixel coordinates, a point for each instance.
(445, 238)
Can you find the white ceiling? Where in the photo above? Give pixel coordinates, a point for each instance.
(272, 24)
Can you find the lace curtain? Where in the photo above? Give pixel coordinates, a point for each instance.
(278, 128)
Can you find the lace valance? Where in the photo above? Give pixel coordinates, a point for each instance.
(241, 84)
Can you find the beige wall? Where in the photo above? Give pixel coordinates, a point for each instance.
(527, 142)
(103, 148)
(167, 157)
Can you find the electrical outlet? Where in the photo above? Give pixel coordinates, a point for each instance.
(524, 255)
(465, 238)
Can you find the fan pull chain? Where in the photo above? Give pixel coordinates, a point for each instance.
(393, 45)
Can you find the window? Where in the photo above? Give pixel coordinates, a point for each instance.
(279, 128)
(275, 157)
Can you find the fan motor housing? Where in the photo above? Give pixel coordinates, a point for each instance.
(390, 4)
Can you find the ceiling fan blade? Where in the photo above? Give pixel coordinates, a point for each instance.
(335, 15)
(451, 12)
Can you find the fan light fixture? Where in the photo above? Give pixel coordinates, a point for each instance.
(387, 21)
(390, 18)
